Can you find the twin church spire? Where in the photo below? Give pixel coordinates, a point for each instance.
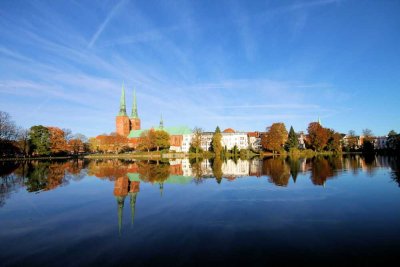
(122, 105)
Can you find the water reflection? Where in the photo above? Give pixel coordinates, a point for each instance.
(37, 176)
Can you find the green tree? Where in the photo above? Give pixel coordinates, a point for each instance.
(162, 140)
(39, 138)
(393, 140)
(216, 142)
(275, 138)
(334, 141)
(292, 142)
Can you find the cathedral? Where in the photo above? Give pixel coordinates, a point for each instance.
(125, 124)
(130, 126)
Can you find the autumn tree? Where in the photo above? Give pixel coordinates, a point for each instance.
(77, 144)
(147, 140)
(317, 136)
(58, 144)
(118, 142)
(39, 138)
(162, 140)
(275, 137)
(195, 145)
(94, 144)
(216, 142)
(292, 142)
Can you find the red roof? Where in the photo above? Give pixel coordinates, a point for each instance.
(229, 130)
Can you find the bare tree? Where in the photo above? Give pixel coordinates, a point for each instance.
(8, 130)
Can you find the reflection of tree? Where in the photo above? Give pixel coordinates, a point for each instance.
(197, 170)
(294, 164)
(321, 170)
(8, 181)
(46, 175)
(153, 172)
(37, 176)
(217, 169)
(7, 167)
(277, 170)
(370, 163)
(110, 169)
(394, 164)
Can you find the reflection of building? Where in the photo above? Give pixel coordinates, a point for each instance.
(255, 168)
(240, 168)
(122, 187)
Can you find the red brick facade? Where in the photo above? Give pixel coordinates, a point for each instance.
(135, 123)
(123, 125)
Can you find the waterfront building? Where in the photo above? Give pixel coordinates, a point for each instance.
(380, 142)
(180, 137)
(230, 139)
(254, 139)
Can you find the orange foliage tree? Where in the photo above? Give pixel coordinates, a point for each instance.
(147, 140)
(58, 144)
(75, 146)
(275, 138)
(108, 143)
(317, 136)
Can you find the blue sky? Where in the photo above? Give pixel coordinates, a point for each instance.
(239, 64)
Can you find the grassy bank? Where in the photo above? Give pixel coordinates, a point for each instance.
(39, 158)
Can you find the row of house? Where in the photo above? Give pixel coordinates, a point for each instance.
(181, 137)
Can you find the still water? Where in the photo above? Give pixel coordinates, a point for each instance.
(319, 211)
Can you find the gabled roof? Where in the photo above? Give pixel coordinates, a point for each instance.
(179, 130)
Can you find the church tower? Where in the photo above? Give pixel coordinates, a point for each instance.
(122, 120)
(134, 119)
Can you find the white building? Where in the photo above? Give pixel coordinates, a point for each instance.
(380, 142)
(254, 140)
(230, 138)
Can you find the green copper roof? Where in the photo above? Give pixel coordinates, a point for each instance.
(180, 130)
(122, 104)
(135, 133)
(134, 114)
(172, 179)
(161, 123)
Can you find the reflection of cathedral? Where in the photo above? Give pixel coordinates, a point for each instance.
(123, 187)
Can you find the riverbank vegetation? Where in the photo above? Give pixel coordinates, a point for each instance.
(49, 141)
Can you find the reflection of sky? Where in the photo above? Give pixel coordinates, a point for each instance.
(78, 223)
